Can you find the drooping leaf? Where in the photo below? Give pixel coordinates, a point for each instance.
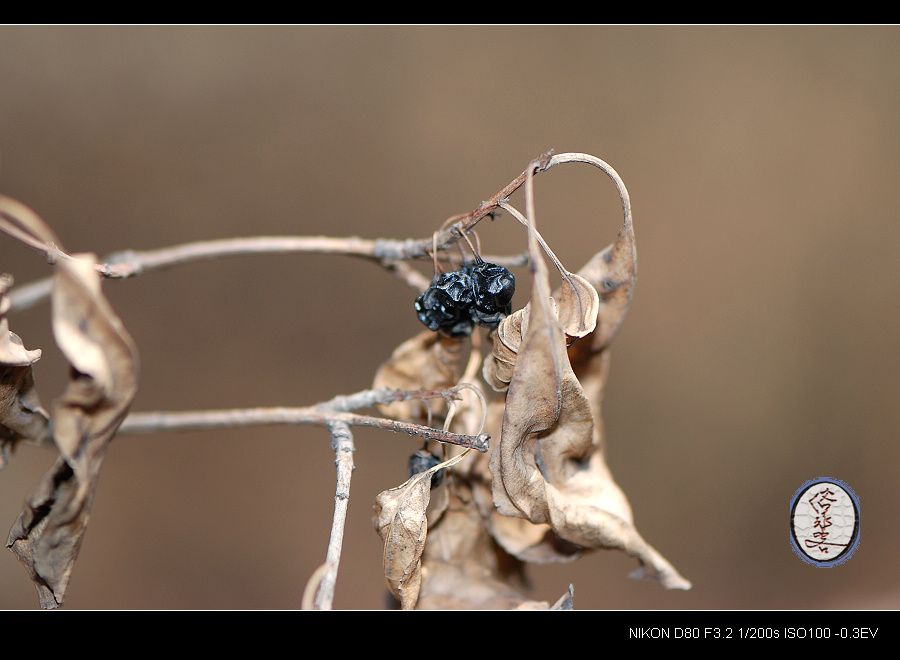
(48, 533)
(403, 526)
(549, 467)
(505, 340)
(402, 523)
(462, 568)
(532, 402)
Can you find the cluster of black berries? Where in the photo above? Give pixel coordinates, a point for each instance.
(479, 293)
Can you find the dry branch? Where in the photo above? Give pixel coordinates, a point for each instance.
(318, 415)
(130, 263)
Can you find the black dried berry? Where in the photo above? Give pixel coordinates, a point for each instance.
(493, 288)
(445, 304)
(424, 460)
(479, 293)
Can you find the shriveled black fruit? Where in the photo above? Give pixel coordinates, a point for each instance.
(493, 287)
(445, 304)
(479, 293)
(424, 460)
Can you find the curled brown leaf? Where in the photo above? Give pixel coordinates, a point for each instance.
(403, 526)
(401, 521)
(578, 304)
(505, 342)
(532, 402)
(549, 467)
(48, 533)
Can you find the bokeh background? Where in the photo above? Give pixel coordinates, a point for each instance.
(759, 351)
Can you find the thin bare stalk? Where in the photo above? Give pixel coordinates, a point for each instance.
(129, 263)
(342, 443)
(506, 206)
(324, 414)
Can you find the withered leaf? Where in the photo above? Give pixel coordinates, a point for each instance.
(12, 352)
(403, 526)
(532, 403)
(612, 272)
(48, 533)
(401, 521)
(530, 542)
(466, 586)
(21, 413)
(506, 340)
(549, 467)
(578, 304)
(429, 360)
(461, 566)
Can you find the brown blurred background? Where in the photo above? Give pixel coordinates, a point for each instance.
(759, 350)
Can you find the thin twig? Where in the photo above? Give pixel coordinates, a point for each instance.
(130, 263)
(342, 443)
(320, 415)
(450, 235)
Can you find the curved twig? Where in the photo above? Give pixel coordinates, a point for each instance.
(130, 263)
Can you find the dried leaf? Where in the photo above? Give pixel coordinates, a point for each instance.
(403, 526)
(401, 521)
(532, 543)
(549, 467)
(430, 360)
(12, 352)
(580, 516)
(21, 415)
(578, 304)
(506, 340)
(532, 403)
(49, 531)
(612, 272)
(462, 567)
(466, 586)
